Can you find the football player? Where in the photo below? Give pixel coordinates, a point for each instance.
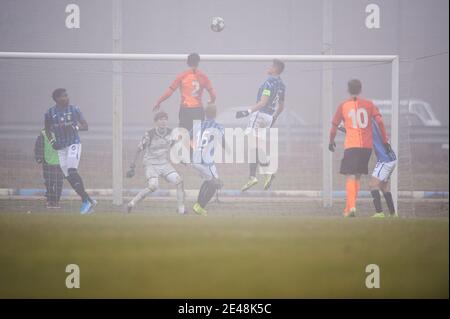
(191, 83)
(156, 145)
(357, 114)
(269, 105)
(64, 121)
(386, 162)
(203, 143)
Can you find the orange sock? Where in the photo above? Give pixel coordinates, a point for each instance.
(350, 186)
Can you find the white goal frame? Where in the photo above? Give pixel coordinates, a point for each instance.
(117, 100)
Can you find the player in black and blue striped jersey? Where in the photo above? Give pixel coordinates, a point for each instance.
(203, 142)
(64, 121)
(386, 163)
(269, 105)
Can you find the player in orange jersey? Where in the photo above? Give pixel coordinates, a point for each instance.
(191, 83)
(357, 114)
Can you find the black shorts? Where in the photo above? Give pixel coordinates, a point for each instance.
(188, 115)
(356, 161)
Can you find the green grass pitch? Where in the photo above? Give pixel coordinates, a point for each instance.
(168, 256)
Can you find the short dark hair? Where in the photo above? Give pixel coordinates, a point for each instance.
(161, 115)
(354, 87)
(193, 59)
(57, 93)
(279, 65)
(211, 111)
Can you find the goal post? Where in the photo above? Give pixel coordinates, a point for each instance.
(117, 57)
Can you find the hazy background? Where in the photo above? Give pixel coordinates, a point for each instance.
(412, 29)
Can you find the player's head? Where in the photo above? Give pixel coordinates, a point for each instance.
(193, 60)
(161, 119)
(354, 87)
(211, 112)
(276, 68)
(60, 97)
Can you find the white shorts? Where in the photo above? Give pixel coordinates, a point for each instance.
(206, 172)
(383, 170)
(258, 120)
(157, 170)
(69, 157)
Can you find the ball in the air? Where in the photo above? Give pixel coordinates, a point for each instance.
(217, 24)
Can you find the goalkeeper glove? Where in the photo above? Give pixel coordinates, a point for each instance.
(241, 114)
(131, 171)
(332, 146)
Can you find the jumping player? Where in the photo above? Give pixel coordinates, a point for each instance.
(357, 114)
(386, 162)
(269, 105)
(156, 145)
(64, 121)
(203, 141)
(191, 83)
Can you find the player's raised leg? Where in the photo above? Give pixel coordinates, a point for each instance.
(152, 185)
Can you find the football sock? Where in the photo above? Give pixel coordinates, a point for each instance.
(180, 196)
(201, 192)
(76, 182)
(357, 187)
(210, 190)
(262, 159)
(389, 202)
(376, 200)
(254, 166)
(350, 186)
(347, 193)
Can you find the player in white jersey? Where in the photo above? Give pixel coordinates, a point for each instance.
(156, 145)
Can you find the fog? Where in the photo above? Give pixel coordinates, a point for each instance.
(413, 29)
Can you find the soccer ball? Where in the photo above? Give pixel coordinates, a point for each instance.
(217, 24)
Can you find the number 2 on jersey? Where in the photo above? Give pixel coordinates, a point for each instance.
(196, 89)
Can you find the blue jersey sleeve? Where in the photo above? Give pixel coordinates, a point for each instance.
(267, 89)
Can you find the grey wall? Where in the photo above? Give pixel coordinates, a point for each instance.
(410, 28)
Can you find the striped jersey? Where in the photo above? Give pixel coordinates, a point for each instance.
(380, 151)
(62, 122)
(204, 141)
(275, 89)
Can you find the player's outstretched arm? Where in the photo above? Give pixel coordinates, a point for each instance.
(168, 92)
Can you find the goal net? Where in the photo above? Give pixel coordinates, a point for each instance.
(116, 93)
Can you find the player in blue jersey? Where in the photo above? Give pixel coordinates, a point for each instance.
(386, 162)
(203, 142)
(269, 105)
(64, 121)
